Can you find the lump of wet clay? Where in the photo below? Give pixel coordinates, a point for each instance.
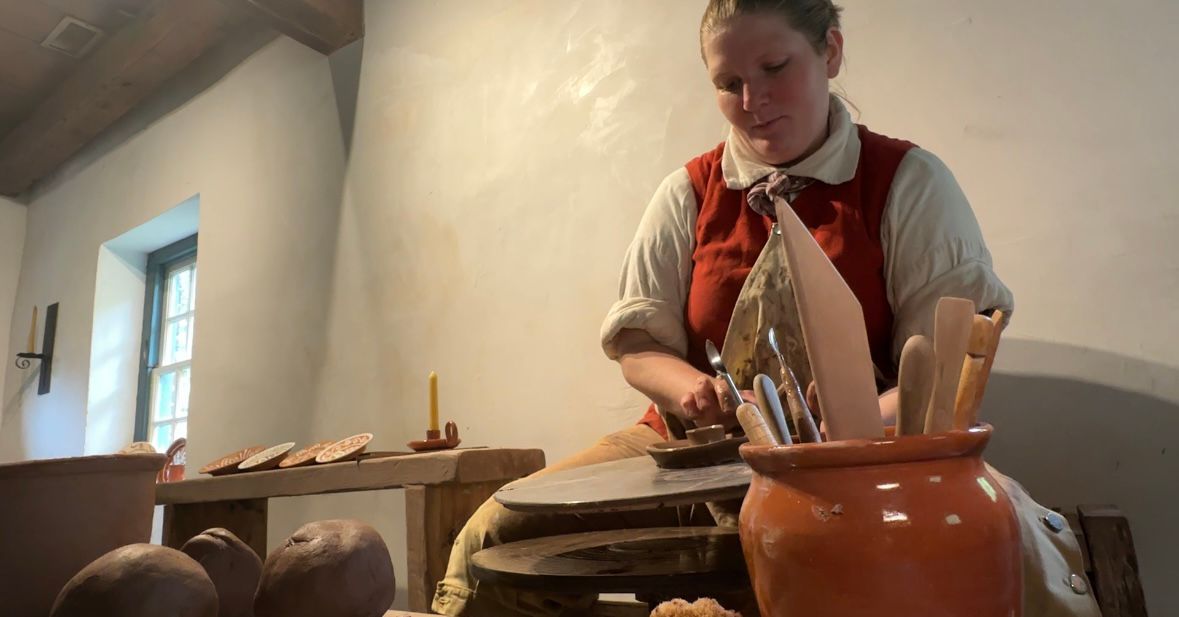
(138, 580)
(335, 567)
(233, 567)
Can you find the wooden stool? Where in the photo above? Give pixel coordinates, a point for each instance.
(663, 562)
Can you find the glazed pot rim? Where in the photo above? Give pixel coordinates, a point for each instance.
(863, 452)
(79, 465)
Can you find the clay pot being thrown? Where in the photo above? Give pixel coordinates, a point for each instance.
(890, 527)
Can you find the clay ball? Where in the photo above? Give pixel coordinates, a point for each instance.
(336, 567)
(233, 567)
(139, 580)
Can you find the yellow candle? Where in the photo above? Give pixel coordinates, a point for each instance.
(433, 401)
(33, 331)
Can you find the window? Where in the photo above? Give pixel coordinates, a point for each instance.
(169, 321)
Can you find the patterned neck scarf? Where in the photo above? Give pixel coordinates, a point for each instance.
(778, 184)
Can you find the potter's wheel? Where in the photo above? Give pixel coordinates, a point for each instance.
(618, 561)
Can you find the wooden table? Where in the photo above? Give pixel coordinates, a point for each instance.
(628, 484)
(442, 490)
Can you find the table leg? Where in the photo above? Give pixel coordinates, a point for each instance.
(434, 515)
(246, 518)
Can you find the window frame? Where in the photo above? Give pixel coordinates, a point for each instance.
(159, 262)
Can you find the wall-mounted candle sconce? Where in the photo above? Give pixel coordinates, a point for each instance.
(46, 356)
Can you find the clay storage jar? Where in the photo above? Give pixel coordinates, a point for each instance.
(57, 515)
(890, 527)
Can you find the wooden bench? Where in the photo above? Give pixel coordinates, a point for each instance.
(442, 490)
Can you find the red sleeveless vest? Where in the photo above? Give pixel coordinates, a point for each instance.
(844, 218)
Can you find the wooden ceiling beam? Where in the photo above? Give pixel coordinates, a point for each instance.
(322, 25)
(130, 65)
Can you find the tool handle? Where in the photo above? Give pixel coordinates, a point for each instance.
(755, 425)
(914, 385)
(800, 412)
(765, 389)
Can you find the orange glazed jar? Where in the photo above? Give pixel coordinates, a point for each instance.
(893, 527)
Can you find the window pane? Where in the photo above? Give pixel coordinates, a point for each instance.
(179, 291)
(165, 397)
(192, 290)
(161, 437)
(182, 390)
(177, 343)
(181, 430)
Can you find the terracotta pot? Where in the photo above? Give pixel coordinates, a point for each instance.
(58, 515)
(897, 526)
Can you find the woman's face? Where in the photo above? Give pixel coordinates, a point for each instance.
(771, 84)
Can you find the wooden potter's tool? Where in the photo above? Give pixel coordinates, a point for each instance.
(783, 368)
(755, 425)
(970, 414)
(981, 331)
(434, 439)
(771, 408)
(800, 412)
(834, 332)
(951, 335)
(914, 385)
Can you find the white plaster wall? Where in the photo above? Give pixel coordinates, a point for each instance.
(114, 352)
(14, 324)
(501, 157)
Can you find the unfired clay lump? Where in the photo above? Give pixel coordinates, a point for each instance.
(139, 580)
(336, 567)
(233, 567)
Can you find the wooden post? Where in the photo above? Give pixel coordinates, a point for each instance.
(246, 518)
(1115, 564)
(434, 515)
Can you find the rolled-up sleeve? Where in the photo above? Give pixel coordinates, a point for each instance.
(933, 247)
(657, 268)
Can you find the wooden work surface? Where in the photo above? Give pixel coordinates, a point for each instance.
(442, 489)
(628, 484)
(618, 561)
(463, 466)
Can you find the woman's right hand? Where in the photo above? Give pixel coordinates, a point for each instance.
(709, 402)
(673, 384)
